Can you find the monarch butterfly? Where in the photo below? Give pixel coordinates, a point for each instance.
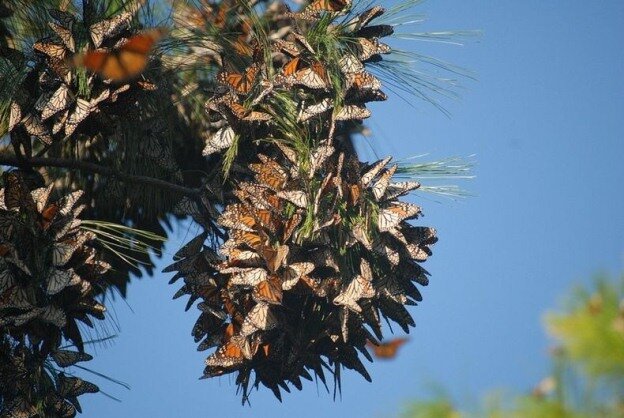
(328, 5)
(66, 358)
(349, 64)
(59, 101)
(315, 109)
(380, 186)
(275, 257)
(313, 76)
(294, 272)
(269, 290)
(360, 234)
(58, 280)
(249, 276)
(377, 31)
(388, 349)
(259, 317)
(374, 170)
(270, 173)
(62, 252)
(381, 247)
(65, 35)
(52, 50)
(240, 82)
(352, 112)
(54, 316)
(319, 156)
(291, 225)
(399, 189)
(127, 61)
(247, 115)
(420, 234)
(81, 111)
(236, 216)
(297, 197)
(110, 27)
(64, 18)
(360, 287)
(34, 127)
(75, 386)
(363, 81)
(367, 48)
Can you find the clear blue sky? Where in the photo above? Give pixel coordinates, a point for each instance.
(546, 122)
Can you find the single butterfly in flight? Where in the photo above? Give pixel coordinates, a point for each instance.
(387, 350)
(125, 62)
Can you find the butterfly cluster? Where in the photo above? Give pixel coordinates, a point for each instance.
(49, 273)
(318, 248)
(28, 390)
(66, 87)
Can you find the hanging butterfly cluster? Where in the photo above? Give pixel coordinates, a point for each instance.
(58, 96)
(49, 271)
(28, 390)
(318, 247)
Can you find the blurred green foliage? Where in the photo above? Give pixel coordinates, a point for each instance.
(587, 372)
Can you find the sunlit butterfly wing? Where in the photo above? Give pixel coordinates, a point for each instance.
(290, 48)
(363, 81)
(15, 116)
(269, 290)
(59, 101)
(108, 28)
(291, 225)
(34, 127)
(249, 276)
(381, 185)
(63, 251)
(399, 189)
(59, 122)
(220, 140)
(275, 256)
(297, 197)
(228, 355)
(357, 289)
(51, 49)
(315, 109)
(374, 170)
(350, 64)
(65, 35)
(360, 234)
(328, 5)
(367, 48)
(303, 41)
(314, 77)
(352, 112)
(247, 115)
(258, 318)
(80, 113)
(241, 83)
(294, 272)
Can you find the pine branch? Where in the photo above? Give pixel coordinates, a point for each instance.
(14, 161)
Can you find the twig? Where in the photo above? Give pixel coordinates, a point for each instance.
(13, 161)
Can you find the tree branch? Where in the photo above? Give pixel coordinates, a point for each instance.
(13, 161)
